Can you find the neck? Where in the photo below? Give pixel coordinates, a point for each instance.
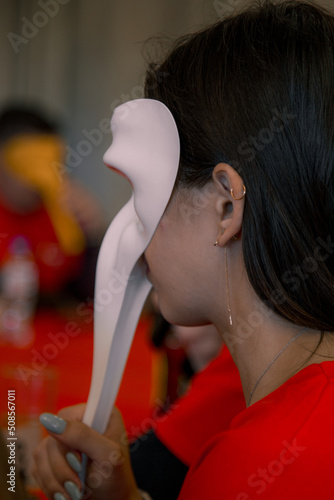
(269, 354)
(258, 336)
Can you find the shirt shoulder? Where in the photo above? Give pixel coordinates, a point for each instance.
(280, 447)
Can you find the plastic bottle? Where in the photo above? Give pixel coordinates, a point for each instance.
(19, 285)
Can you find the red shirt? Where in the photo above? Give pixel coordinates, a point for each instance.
(55, 268)
(282, 447)
(214, 398)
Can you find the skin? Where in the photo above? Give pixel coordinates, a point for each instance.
(109, 471)
(21, 198)
(16, 194)
(194, 270)
(188, 274)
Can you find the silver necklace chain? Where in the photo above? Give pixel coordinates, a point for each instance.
(272, 362)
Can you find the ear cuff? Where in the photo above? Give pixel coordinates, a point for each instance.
(243, 193)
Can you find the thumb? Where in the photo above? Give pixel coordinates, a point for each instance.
(80, 437)
(116, 429)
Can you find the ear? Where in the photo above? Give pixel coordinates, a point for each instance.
(230, 201)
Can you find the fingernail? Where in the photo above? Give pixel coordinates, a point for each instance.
(58, 496)
(72, 490)
(52, 423)
(73, 462)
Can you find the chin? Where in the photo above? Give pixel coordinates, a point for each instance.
(178, 316)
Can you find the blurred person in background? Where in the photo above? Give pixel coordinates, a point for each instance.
(50, 225)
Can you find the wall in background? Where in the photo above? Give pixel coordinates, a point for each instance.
(79, 58)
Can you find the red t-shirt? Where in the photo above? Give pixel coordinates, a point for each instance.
(55, 268)
(214, 398)
(282, 447)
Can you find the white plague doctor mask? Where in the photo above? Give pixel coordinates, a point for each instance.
(146, 150)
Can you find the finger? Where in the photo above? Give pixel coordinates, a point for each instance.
(75, 412)
(54, 463)
(59, 464)
(78, 436)
(116, 429)
(47, 482)
(74, 461)
(51, 469)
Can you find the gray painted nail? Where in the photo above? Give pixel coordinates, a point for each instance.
(58, 496)
(73, 462)
(72, 490)
(52, 423)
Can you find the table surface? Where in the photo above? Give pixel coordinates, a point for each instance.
(63, 344)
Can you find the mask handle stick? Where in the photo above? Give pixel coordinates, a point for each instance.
(145, 149)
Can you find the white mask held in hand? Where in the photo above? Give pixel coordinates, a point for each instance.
(145, 149)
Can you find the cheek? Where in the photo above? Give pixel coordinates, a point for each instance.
(154, 255)
(160, 242)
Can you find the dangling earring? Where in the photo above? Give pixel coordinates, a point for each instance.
(226, 277)
(228, 290)
(217, 240)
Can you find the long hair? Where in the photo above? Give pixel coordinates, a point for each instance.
(256, 90)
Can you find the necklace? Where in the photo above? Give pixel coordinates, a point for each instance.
(272, 362)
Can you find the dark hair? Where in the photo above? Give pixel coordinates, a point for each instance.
(19, 119)
(257, 90)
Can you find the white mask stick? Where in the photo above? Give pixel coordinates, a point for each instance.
(145, 149)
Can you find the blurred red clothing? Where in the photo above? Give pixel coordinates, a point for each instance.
(56, 268)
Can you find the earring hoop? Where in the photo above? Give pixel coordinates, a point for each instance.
(243, 193)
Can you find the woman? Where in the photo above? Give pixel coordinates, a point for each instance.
(252, 97)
